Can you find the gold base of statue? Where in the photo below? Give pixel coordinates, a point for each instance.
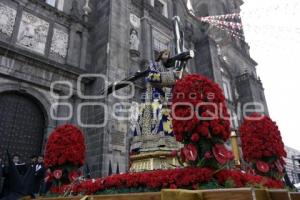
(155, 152)
(147, 161)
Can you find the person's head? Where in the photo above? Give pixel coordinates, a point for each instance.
(16, 158)
(163, 56)
(33, 159)
(40, 159)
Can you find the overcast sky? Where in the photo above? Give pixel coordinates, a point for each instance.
(272, 29)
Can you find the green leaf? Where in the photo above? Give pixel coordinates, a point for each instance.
(210, 185)
(229, 184)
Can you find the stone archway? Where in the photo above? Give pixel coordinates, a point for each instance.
(22, 124)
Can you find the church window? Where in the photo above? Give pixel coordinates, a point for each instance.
(51, 2)
(160, 43)
(59, 4)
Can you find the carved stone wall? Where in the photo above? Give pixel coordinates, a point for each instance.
(59, 43)
(7, 19)
(33, 33)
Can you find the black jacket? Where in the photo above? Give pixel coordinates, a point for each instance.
(19, 181)
(39, 177)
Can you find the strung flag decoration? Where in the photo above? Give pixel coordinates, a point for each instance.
(222, 17)
(231, 32)
(231, 23)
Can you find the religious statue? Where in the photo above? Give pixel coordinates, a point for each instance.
(153, 139)
(152, 136)
(134, 42)
(153, 130)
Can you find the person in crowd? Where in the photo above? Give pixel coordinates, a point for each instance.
(46, 184)
(40, 171)
(33, 160)
(86, 171)
(19, 179)
(21, 166)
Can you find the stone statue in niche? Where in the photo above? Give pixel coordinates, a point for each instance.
(59, 43)
(33, 33)
(134, 42)
(75, 13)
(7, 19)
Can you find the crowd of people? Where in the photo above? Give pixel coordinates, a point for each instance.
(19, 179)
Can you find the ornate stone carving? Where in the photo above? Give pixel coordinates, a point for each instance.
(135, 20)
(33, 33)
(7, 19)
(59, 43)
(134, 117)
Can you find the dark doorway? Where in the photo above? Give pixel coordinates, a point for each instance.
(22, 125)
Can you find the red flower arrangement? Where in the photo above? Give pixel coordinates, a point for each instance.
(201, 121)
(237, 178)
(64, 155)
(221, 154)
(186, 178)
(262, 145)
(65, 146)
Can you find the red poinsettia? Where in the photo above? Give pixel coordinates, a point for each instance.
(221, 154)
(190, 152)
(200, 120)
(262, 166)
(262, 145)
(65, 146)
(73, 175)
(57, 174)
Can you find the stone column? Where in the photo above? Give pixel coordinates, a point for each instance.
(71, 44)
(146, 37)
(74, 49)
(20, 9)
(84, 49)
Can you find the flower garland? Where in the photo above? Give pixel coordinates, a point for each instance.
(236, 179)
(186, 178)
(64, 155)
(262, 145)
(201, 121)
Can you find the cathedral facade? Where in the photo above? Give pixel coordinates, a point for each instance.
(57, 55)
